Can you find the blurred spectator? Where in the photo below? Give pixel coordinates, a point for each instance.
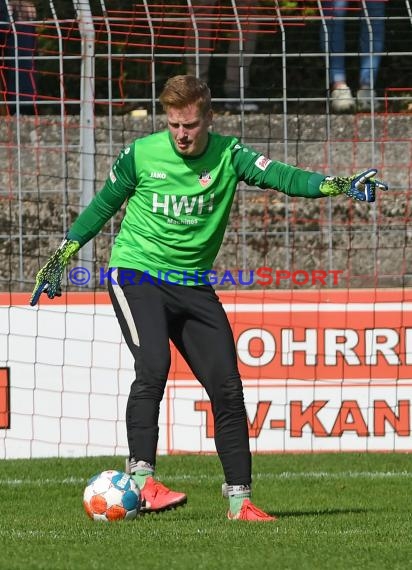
(371, 42)
(18, 85)
(202, 12)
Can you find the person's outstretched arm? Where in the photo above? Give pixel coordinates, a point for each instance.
(119, 185)
(257, 170)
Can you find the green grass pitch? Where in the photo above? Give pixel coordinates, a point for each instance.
(335, 511)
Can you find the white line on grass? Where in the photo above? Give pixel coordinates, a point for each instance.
(202, 476)
(41, 482)
(308, 475)
(340, 475)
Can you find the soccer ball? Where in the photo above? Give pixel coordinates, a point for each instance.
(111, 496)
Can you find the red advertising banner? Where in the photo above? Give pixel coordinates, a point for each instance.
(340, 335)
(4, 398)
(322, 371)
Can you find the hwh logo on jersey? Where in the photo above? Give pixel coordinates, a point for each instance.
(177, 205)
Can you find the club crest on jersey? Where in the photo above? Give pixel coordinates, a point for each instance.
(204, 178)
(262, 162)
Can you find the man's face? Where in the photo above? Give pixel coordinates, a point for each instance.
(189, 129)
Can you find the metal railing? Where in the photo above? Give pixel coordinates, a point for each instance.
(96, 73)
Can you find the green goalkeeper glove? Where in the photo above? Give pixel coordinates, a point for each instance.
(360, 186)
(49, 278)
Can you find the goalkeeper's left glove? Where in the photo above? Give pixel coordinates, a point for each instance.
(49, 277)
(360, 186)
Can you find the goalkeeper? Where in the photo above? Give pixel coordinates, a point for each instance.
(178, 186)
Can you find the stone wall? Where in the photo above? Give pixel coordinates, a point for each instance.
(40, 192)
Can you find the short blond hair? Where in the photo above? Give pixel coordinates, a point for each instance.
(183, 90)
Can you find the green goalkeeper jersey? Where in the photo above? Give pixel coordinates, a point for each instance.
(178, 206)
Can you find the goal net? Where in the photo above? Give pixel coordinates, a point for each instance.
(317, 291)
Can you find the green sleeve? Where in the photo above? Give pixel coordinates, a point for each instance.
(119, 186)
(257, 170)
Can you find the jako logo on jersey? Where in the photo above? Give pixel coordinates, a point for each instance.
(262, 162)
(160, 175)
(204, 178)
(176, 205)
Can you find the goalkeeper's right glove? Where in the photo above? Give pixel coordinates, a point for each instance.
(49, 278)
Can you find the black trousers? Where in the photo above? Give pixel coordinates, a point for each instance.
(193, 318)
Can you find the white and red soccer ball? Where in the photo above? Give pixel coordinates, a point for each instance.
(111, 496)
